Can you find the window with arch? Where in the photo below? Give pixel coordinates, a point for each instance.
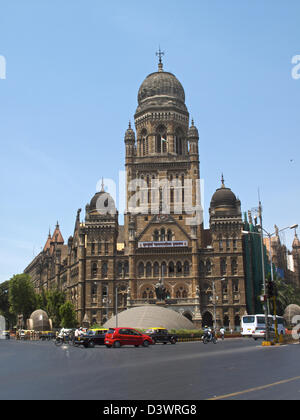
(120, 269)
(94, 290)
(171, 269)
(162, 234)
(178, 268)
(126, 269)
(104, 270)
(141, 269)
(223, 266)
(227, 243)
(208, 267)
(220, 243)
(156, 269)
(186, 268)
(148, 269)
(234, 267)
(144, 142)
(163, 269)
(178, 141)
(169, 235)
(94, 269)
(156, 235)
(161, 139)
(234, 242)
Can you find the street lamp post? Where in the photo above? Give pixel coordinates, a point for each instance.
(215, 301)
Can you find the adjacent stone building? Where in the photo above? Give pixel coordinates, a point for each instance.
(106, 267)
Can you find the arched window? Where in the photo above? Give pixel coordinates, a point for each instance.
(171, 269)
(169, 235)
(144, 142)
(126, 269)
(104, 270)
(156, 269)
(120, 269)
(234, 267)
(94, 290)
(161, 139)
(201, 268)
(186, 268)
(141, 269)
(234, 242)
(223, 266)
(163, 269)
(156, 235)
(148, 269)
(227, 243)
(208, 267)
(220, 243)
(162, 235)
(94, 269)
(178, 142)
(178, 267)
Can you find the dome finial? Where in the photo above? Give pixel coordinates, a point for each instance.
(102, 185)
(129, 125)
(222, 181)
(160, 64)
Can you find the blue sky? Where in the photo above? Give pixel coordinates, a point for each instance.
(73, 70)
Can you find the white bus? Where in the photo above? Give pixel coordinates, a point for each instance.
(255, 326)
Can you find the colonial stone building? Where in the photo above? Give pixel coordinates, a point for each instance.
(106, 267)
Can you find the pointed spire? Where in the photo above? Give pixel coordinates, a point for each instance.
(129, 125)
(57, 236)
(102, 186)
(48, 242)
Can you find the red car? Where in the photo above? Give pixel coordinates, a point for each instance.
(117, 337)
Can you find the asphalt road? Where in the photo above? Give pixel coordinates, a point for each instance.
(232, 369)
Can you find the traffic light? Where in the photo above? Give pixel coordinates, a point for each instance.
(271, 289)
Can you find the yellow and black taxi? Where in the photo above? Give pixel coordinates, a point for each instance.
(161, 335)
(5, 335)
(93, 337)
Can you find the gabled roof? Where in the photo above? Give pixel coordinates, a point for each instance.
(57, 236)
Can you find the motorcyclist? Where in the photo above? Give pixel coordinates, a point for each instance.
(207, 332)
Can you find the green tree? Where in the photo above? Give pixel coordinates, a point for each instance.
(4, 305)
(286, 294)
(68, 315)
(22, 297)
(55, 299)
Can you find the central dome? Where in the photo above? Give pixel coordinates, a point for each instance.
(161, 84)
(161, 90)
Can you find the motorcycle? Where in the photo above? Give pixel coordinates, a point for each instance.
(209, 338)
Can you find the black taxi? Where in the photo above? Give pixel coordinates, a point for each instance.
(161, 335)
(93, 337)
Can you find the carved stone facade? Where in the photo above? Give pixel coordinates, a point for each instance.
(106, 266)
